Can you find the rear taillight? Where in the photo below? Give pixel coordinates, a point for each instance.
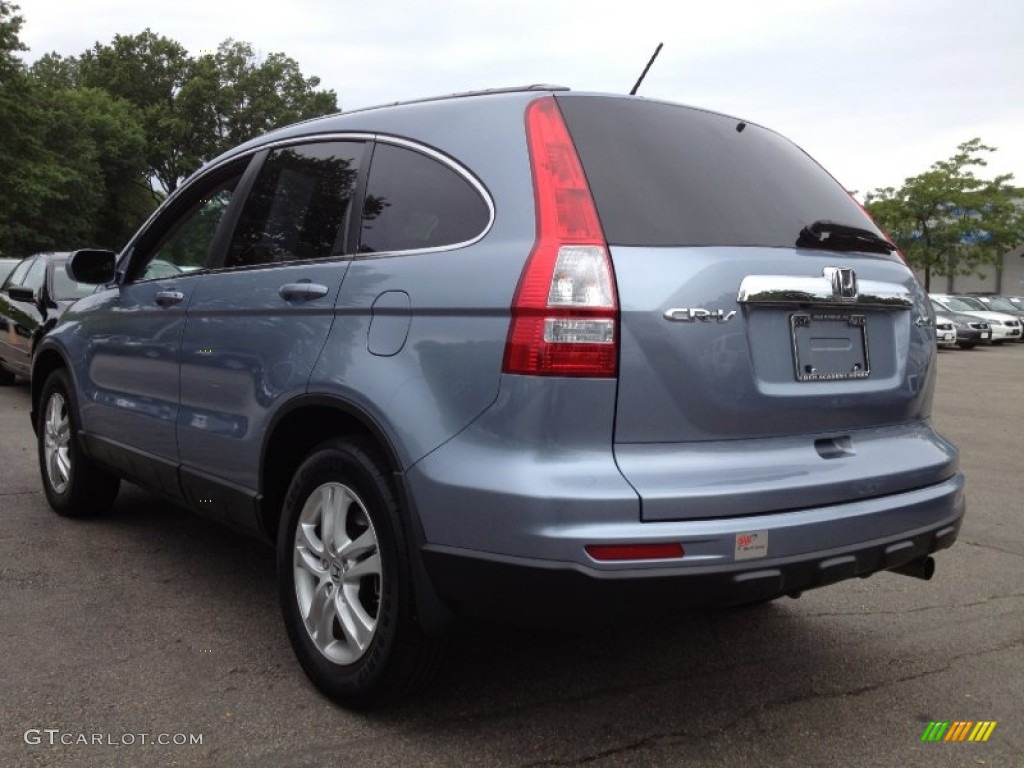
(565, 311)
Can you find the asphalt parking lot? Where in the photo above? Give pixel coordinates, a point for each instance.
(152, 625)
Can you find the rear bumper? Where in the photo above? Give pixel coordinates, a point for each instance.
(835, 547)
(509, 506)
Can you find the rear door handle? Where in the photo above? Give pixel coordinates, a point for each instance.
(169, 298)
(302, 291)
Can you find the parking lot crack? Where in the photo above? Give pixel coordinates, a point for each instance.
(923, 608)
(674, 737)
(993, 547)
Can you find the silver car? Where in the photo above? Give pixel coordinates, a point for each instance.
(529, 353)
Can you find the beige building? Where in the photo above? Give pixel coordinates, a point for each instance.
(1009, 280)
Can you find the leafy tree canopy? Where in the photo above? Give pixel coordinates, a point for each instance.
(90, 144)
(192, 108)
(947, 221)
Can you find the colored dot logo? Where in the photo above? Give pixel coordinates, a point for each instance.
(959, 730)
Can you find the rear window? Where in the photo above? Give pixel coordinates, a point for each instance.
(667, 175)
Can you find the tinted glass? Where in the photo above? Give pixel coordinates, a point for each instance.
(184, 237)
(298, 205)
(36, 276)
(6, 267)
(665, 175)
(972, 303)
(1001, 305)
(413, 201)
(64, 287)
(958, 305)
(18, 275)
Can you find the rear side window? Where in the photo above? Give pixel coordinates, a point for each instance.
(414, 201)
(298, 205)
(666, 175)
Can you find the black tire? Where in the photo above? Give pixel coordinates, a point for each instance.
(74, 485)
(966, 344)
(6, 377)
(396, 658)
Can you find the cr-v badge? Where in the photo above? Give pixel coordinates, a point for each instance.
(691, 315)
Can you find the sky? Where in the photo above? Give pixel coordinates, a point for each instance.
(875, 90)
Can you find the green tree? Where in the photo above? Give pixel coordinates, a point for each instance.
(148, 71)
(193, 109)
(72, 160)
(55, 71)
(27, 170)
(947, 221)
(86, 141)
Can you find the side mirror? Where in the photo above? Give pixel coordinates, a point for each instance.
(92, 266)
(21, 293)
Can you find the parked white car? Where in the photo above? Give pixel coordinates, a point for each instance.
(1004, 327)
(945, 331)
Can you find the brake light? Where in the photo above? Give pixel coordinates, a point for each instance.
(661, 551)
(565, 311)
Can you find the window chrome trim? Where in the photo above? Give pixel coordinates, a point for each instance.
(788, 290)
(459, 169)
(440, 157)
(318, 138)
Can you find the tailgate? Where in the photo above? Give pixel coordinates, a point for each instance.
(750, 383)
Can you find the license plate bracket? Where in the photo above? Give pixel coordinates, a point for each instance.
(830, 346)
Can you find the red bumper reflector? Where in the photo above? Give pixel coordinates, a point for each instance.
(663, 551)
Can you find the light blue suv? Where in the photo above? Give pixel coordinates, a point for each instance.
(524, 353)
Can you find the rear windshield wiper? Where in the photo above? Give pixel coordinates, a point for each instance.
(831, 236)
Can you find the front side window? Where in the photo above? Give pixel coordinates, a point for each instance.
(36, 276)
(17, 277)
(414, 201)
(64, 288)
(298, 205)
(188, 247)
(182, 240)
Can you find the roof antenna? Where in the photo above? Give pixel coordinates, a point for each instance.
(644, 73)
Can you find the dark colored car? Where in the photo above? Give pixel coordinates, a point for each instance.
(531, 353)
(970, 330)
(32, 297)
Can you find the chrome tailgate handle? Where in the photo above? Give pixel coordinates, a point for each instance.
(835, 288)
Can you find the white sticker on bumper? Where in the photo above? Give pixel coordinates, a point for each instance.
(751, 545)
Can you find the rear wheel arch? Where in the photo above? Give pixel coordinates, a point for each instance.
(305, 424)
(296, 430)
